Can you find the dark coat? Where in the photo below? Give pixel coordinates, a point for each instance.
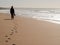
(12, 11)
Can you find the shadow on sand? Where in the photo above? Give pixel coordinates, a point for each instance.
(7, 19)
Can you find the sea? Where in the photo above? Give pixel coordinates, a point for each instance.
(46, 14)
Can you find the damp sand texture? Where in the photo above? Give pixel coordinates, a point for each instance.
(28, 31)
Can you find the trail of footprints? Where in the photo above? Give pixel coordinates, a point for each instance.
(13, 31)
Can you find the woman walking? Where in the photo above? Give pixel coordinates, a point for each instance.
(12, 12)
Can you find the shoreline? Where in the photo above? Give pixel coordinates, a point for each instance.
(54, 20)
(48, 20)
(40, 19)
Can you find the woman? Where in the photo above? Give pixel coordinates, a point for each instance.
(12, 12)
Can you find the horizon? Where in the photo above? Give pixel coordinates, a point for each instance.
(31, 3)
(28, 7)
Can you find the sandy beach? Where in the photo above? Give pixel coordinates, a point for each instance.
(27, 31)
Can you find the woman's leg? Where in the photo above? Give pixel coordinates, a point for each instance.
(12, 16)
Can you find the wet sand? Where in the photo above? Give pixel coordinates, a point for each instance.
(28, 31)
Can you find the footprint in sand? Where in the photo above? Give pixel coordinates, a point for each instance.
(6, 36)
(12, 30)
(9, 38)
(16, 31)
(6, 41)
(11, 34)
(13, 44)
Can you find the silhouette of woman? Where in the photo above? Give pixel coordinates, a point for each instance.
(12, 12)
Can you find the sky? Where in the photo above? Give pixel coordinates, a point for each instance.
(31, 3)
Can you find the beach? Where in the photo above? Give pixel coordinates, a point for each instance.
(28, 31)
